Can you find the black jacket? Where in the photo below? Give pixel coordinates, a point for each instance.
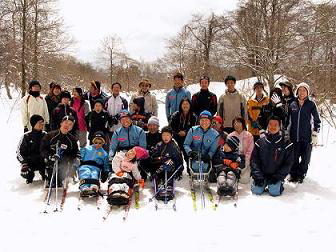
(286, 101)
(163, 151)
(98, 122)
(67, 141)
(180, 123)
(152, 141)
(271, 110)
(272, 156)
(102, 96)
(52, 102)
(300, 126)
(29, 147)
(204, 100)
(59, 112)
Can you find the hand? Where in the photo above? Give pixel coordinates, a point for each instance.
(103, 177)
(169, 162)
(227, 162)
(276, 100)
(234, 165)
(262, 133)
(258, 182)
(206, 158)
(182, 133)
(314, 138)
(193, 155)
(25, 130)
(24, 170)
(120, 173)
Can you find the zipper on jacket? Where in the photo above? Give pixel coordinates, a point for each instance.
(298, 125)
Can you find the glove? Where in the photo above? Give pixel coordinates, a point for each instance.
(114, 120)
(24, 170)
(258, 182)
(103, 177)
(262, 133)
(193, 155)
(314, 138)
(234, 165)
(169, 163)
(273, 180)
(206, 158)
(25, 130)
(142, 183)
(227, 162)
(276, 100)
(255, 124)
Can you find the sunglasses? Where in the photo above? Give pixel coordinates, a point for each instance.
(98, 142)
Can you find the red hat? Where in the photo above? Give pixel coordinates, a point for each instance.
(140, 153)
(218, 119)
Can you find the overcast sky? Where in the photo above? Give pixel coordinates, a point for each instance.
(142, 25)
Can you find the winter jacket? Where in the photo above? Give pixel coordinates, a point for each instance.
(57, 115)
(218, 161)
(121, 163)
(204, 100)
(168, 151)
(179, 122)
(271, 110)
(204, 142)
(151, 105)
(68, 143)
(231, 105)
(272, 156)
(52, 102)
(246, 143)
(33, 106)
(286, 101)
(174, 98)
(28, 150)
(113, 106)
(127, 138)
(81, 112)
(253, 109)
(140, 119)
(91, 156)
(300, 120)
(152, 140)
(98, 122)
(101, 96)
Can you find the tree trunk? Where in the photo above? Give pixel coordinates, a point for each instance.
(35, 58)
(23, 51)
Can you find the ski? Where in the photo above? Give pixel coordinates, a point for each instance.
(128, 206)
(107, 213)
(217, 201)
(99, 200)
(80, 203)
(211, 198)
(64, 195)
(193, 197)
(137, 199)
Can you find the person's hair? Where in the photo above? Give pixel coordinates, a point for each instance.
(82, 98)
(275, 118)
(116, 83)
(230, 77)
(179, 76)
(190, 105)
(241, 120)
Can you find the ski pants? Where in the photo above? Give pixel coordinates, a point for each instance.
(273, 189)
(88, 172)
(36, 166)
(302, 154)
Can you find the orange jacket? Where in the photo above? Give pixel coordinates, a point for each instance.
(253, 110)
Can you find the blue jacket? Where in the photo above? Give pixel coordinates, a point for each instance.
(205, 142)
(300, 120)
(91, 156)
(127, 138)
(174, 98)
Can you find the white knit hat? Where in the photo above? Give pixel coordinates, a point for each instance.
(154, 120)
(305, 85)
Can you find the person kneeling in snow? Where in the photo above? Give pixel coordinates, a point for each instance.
(228, 164)
(271, 160)
(28, 152)
(126, 172)
(167, 155)
(94, 165)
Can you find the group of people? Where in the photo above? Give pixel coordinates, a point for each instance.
(231, 138)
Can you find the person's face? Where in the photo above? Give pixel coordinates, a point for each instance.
(227, 148)
(144, 87)
(136, 107)
(166, 137)
(116, 89)
(273, 127)
(98, 107)
(56, 91)
(39, 125)
(259, 90)
(178, 82)
(130, 154)
(216, 125)
(65, 100)
(153, 128)
(66, 126)
(185, 106)
(204, 84)
(126, 121)
(238, 126)
(98, 143)
(205, 123)
(285, 90)
(302, 93)
(74, 93)
(230, 85)
(36, 88)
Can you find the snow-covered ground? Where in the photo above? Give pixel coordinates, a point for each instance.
(302, 219)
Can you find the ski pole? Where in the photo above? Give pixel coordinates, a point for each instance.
(49, 190)
(166, 174)
(201, 183)
(56, 179)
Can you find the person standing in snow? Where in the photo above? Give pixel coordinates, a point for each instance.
(33, 104)
(175, 95)
(150, 104)
(287, 97)
(95, 93)
(304, 125)
(204, 99)
(53, 98)
(231, 104)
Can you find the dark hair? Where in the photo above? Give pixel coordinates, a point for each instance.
(276, 90)
(241, 120)
(179, 76)
(167, 129)
(230, 77)
(183, 100)
(275, 118)
(116, 83)
(82, 98)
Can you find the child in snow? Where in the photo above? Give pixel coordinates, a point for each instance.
(94, 165)
(126, 172)
(227, 163)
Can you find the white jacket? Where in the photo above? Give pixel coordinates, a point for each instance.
(113, 106)
(33, 106)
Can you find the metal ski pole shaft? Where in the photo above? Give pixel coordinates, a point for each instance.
(201, 181)
(56, 178)
(166, 175)
(49, 192)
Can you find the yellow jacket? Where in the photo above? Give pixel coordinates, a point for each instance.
(253, 110)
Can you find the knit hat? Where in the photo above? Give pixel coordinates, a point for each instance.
(35, 119)
(258, 83)
(218, 119)
(98, 135)
(79, 90)
(124, 113)
(95, 84)
(233, 142)
(99, 101)
(145, 81)
(140, 153)
(65, 94)
(205, 114)
(68, 117)
(33, 83)
(154, 120)
(204, 77)
(305, 85)
(178, 76)
(167, 129)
